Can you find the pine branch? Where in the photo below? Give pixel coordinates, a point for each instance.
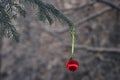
(21, 11)
(46, 12)
(8, 29)
(50, 12)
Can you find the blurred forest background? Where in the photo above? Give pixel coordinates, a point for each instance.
(43, 50)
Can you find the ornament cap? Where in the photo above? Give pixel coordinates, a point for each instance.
(72, 56)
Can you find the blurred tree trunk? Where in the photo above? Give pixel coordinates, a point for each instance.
(0, 56)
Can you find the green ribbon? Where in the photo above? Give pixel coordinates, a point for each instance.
(72, 33)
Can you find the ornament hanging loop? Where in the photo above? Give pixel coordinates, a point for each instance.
(72, 34)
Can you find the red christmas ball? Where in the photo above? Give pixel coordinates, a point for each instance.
(72, 65)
